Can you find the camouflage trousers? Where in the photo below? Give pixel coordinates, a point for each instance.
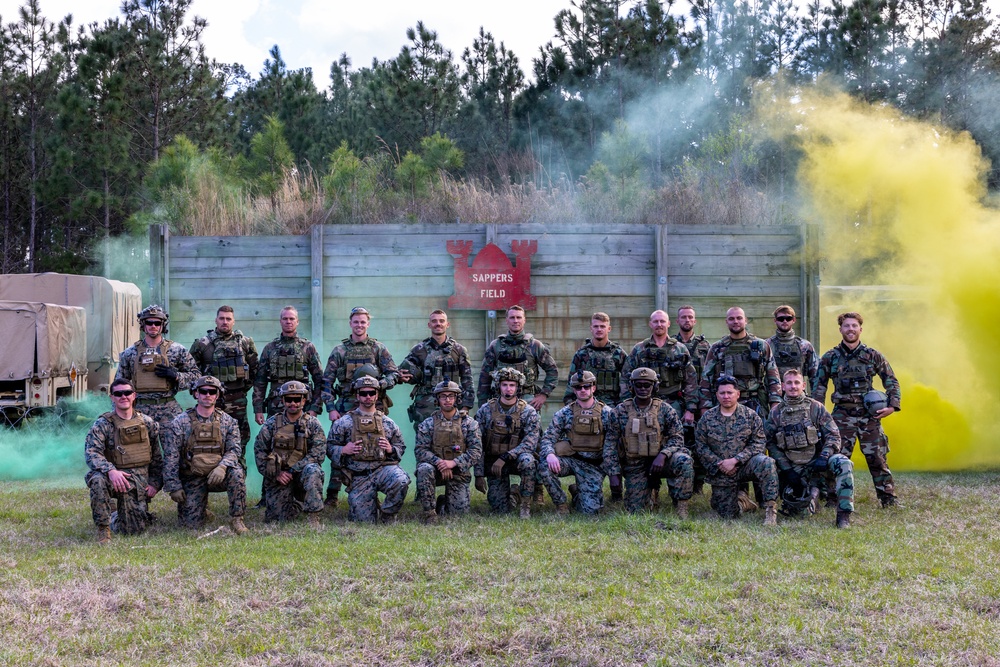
(362, 499)
(839, 473)
(191, 513)
(856, 426)
(699, 469)
(678, 470)
(456, 489)
(589, 477)
(498, 490)
(131, 514)
(161, 414)
(761, 470)
(236, 407)
(303, 493)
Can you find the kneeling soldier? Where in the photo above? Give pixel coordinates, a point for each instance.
(123, 453)
(201, 453)
(367, 446)
(644, 443)
(448, 446)
(804, 441)
(289, 454)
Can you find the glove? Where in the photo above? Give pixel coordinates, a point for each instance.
(481, 484)
(657, 466)
(217, 475)
(791, 479)
(820, 463)
(497, 467)
(616, 483)
(178, 496)
(164, 371)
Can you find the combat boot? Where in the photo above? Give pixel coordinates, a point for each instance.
(430, 517)
(239, 527)
(573, 490)
(313, 519)
(441, 505)
(514, 496)
(682, 509)
(562, 509)
(889, 501)
(746, 503)
(616, 496)
(539, 497)
(770, 514)
(385, 518)
(526, 508)
(843, 518)
(653, 500)
(331, 501)
(103, 535)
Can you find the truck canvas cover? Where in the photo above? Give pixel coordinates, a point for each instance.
(43, 338)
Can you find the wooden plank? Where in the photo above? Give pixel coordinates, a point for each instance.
(266, 264)
(561, 246)
(734, 286)
(661, 286)
(438, 265)
(240, 246)
(744, 265)
(732, 230)
(270, 288)
(246, 310)
(248, 271)
(782, 245)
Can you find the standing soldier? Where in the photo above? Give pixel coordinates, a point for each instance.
(602, 357)
(791, 351)
(742, 356)
(509, 427)
(804, 442)
(525, 354)
(573, 444)
(852, 366)
(289, 455)
(644, 443)
(123, 454)
(158, 368)
(225, 353)
(729, 440)
(448, 447)
(698, 348)
(201, 453)
(367, 446)
(434, 360)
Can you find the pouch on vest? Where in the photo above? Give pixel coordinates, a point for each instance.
(146, 380)
(447, 441)
(204, 448)
(130, 447)
(564, 448)
(587, 432)
(642, 437)
(368, 429)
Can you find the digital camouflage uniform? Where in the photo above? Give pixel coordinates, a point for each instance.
(749, 360)
(457, 440)
(581, 442)
(368, 473)
(637, 436)
(233, 360)
(698, 348)
(740, 436)
(510, 433)
(673, 366)
(525, 353)
(791, 351)
(606, 365)
(158, 401)
(431, 364)
(178, 473)
(131, 514)
(286, 358)
(799, 431)
(852, 373)
(305, 492)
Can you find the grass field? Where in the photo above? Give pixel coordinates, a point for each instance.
(917, 585)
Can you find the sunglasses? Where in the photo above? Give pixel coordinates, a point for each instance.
(367, 392)
(122, 392)
(208, 392)
(784, 318)
(293, 399)
(154, 323)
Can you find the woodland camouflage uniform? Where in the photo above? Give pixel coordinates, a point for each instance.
(678, 379)
(749, 360)
(286, 358)
(232, 358)
(606, 364)
(525, 353)
(432, 363)
(792, 351)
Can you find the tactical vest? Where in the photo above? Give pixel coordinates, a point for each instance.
(438, 365)
(144, 371)
(692, 348)
(223, 358)
(669, 367)
(587, 434)
(796, 434)
(515, 355)
(288, 443)
(205, 447)
(787, 354)
(357, 355)
(129, 446)
(852, 375)
(602, 364)
(368, 429)
(504, 433)
(448, 441)
(741, 359)
(642, 431)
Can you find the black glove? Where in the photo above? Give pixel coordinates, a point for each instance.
(791, 479)
(164, 371)
(481, 484)
(820, 463)
(616, 483)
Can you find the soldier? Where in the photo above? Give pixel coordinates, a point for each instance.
(289, 455)
(791, 351)
(698, 348)
(573, 444)
(602, 357)
(225, 353)
(509, 428)
(804, 442)
(201, 453)
(524, 353)
(368, 447)
(743, 356)
(158, 368)
(432, 361)
(644, 442)
(123, 454)
(729, 440)
(448, 447)
(852, 366)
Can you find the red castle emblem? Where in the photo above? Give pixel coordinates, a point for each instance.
(492, 282)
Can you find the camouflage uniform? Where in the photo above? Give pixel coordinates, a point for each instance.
(233, 360)
(177, 475)
(585, 466)
(791, 351)
(132, 508)
(852, 372)
(470, 452)
(286, 358)
(698, 347)
(160, 405)
(525, 353)
(305, 491)
(749, 360)
(434, 363)
(606, 364)
(789, 428)
(521, 460)
(672, 364)
(740, 436)
(368, 478)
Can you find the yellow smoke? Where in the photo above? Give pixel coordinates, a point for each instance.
(900, 205)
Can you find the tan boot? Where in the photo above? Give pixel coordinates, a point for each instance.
(563, 509)
(313, 519)
(526, 508)
(240, 528)
(654, 500)
(746, 503)
(514, 496)
(682, 509)
(103, 535)
(430, 517)
(770, 514)
(539, 497)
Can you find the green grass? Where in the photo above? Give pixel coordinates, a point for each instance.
(918, 585)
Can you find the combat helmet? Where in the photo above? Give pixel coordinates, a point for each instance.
(206, 381)
(510, 374)
(875, 400)
(366, 370)
(447, 386)
(295, 388)
(154, 311)
(794, 501)
(647, 374)
(365, 382)
(582, 379)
